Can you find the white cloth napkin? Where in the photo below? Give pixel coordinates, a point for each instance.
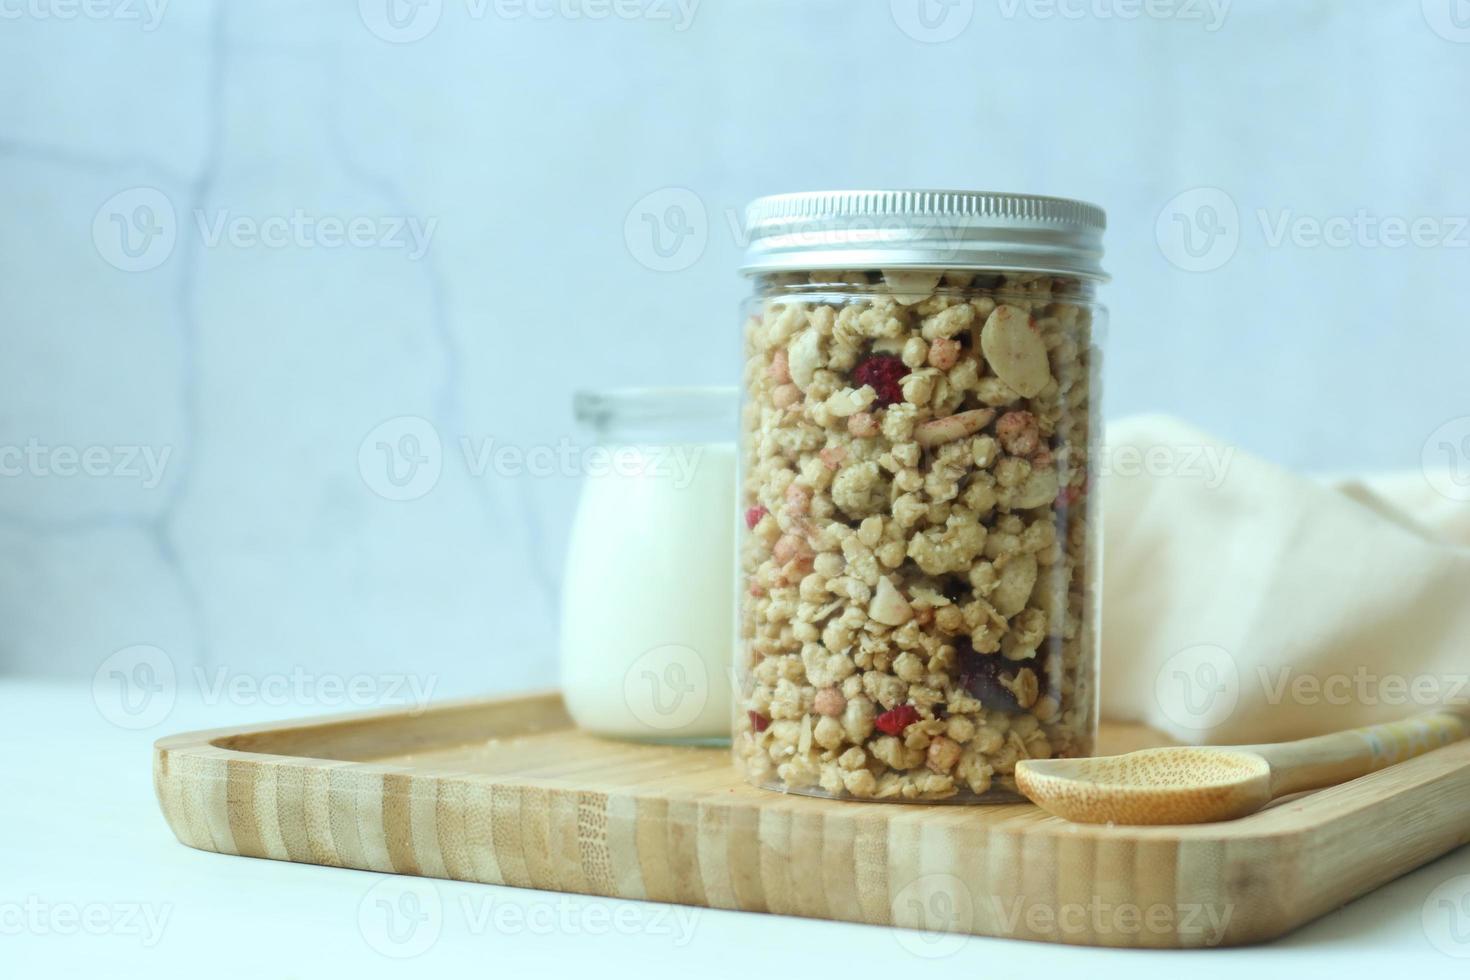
(1245, 603)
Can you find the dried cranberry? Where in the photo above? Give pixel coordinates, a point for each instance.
(753, 517)
(894, 722)
(884, 372)
(758, 721)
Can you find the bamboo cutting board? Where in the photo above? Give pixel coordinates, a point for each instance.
(508, 792)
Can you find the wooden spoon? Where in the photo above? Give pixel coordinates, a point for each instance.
(1204, 784)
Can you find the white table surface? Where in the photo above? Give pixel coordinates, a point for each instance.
(92, 883)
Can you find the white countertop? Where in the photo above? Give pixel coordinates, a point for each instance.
(92, 883)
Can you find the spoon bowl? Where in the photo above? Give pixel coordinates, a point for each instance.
(1204, 784)
(1155, 786)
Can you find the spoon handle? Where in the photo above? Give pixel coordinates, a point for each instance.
(1313, 763)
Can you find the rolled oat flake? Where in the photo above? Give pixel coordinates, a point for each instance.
(919, 575)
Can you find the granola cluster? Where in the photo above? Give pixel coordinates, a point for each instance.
(918, 565)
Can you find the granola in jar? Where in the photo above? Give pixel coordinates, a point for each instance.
(919, 552)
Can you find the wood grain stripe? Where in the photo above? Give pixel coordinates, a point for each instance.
(398, 823)
(272, 844)
(712, 841)
(506, 840)
(650, 835)
(342, 817)
(870, 868)
(240, 779)
(291, 807)
(743, 850)
(838, 867)
(455, 821)
(776, 861)
(622, 847)
(682, 847)
(211, 803)
(321, 817)
(592, 844)
(424, 840)
(367, 788)
(808, 887)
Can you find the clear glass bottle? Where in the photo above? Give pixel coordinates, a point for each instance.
(646, 615)
(919, 557)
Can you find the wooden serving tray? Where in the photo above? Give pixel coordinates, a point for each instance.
(508, 792)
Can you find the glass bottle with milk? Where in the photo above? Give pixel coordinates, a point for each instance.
(647, 611)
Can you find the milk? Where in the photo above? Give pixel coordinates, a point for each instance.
(648, 603)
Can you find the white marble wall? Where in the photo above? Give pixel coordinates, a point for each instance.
(253, 366)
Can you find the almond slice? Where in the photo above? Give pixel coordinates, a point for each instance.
(910, 286)
(803, 358)
(889, 607)
(1015, 351)
(937, 432)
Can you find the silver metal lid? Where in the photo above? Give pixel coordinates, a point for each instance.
(924, 230)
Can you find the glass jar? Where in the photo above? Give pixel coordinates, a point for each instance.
(919, 557)
(647, 621)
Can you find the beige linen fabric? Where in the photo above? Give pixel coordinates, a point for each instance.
(1246, 603)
